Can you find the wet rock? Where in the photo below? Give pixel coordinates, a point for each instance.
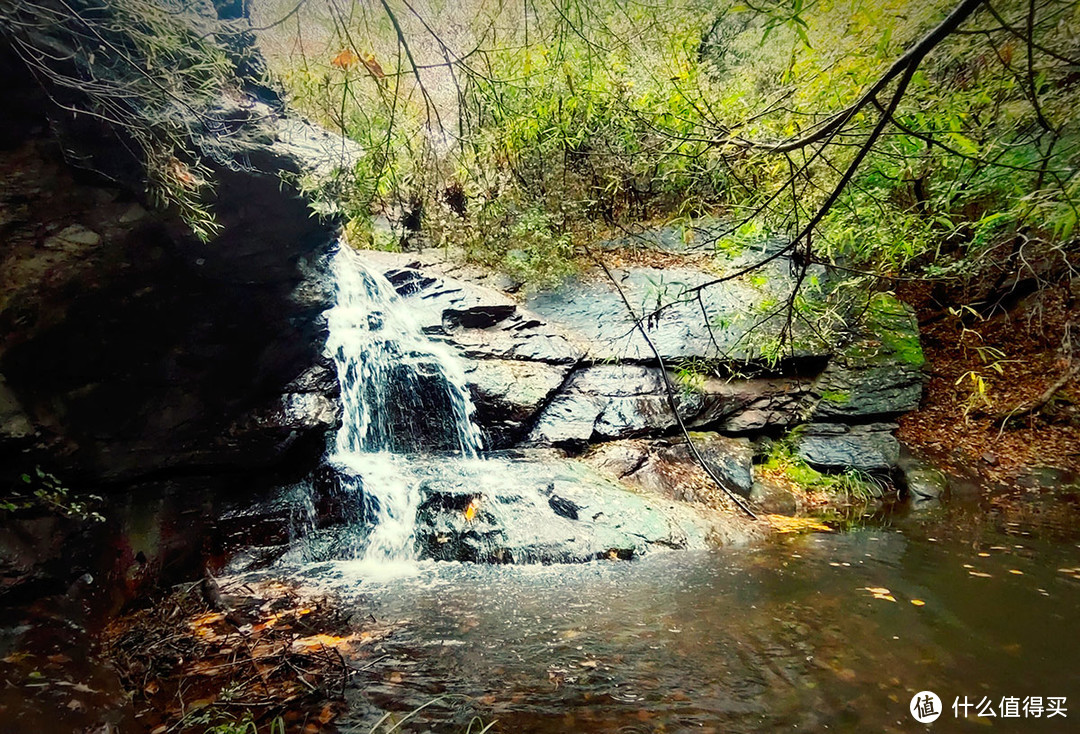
(667, 467)
(480, 321)
(923, 482)
(507, 393)
(608, 402)
(477, 317)
(771, 497)
(537, 508)
(836, 446)
(879, 374)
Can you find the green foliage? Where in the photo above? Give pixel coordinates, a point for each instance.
(690, 376)
(852, 484)
(575, 115)
(40, 491)
(893, 324)
(836, 396)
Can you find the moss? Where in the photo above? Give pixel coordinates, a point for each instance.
(836, 396)
(893, 324)
(783, 463)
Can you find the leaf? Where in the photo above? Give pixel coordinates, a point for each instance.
(345, 60)
(373, 66)
(317, 642)
(470, 511)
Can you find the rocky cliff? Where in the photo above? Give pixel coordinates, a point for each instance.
(568, 368)
(128, 345)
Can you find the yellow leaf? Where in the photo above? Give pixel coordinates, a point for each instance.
(788, 524)
(918, 602)
(470, 511)
(345, 60)
(316, 642)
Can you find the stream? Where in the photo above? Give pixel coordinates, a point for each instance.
(828, 631)
(784, 635)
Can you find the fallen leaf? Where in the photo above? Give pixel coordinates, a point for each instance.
(470, 511)
(788, 524)
(918, 602)
(316, 642)
(345, 60)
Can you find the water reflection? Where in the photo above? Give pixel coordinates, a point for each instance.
(810, 633)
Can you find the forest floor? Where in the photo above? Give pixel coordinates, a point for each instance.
(199, 659)
(986, 373)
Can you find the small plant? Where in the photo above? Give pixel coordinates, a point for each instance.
(853, 485)
(690, 376)
(44, 491)
(990, 358)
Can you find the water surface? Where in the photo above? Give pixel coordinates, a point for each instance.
(783, 636)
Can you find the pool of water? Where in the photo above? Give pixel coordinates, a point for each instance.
(817, 632)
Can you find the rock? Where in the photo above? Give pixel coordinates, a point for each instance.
(537, 508)
(127, 345)
(480, 321)
(752, 405)
(771, 497)
(507, 393)
(76, 235)
(925, 483)
(878, 374)
(607, 402)
(835, 446)
(477, 317)
(712, 323)
(13, 421)
(669, 468)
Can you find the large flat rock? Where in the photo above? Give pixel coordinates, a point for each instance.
(735, 320)
(539, 508)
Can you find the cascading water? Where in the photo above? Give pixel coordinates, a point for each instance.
(402, 393)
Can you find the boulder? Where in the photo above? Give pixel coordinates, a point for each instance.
(925, 483)
(610, 401)
(481, 322)
(128, 345)
(837, 446)
(507, 393)
(668, 468)
(538, 508)
(878, 374)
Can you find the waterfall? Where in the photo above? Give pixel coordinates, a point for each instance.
(402, 394)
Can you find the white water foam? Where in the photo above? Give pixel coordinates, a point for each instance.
(391, 375)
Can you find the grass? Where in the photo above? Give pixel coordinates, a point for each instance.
(786, 467)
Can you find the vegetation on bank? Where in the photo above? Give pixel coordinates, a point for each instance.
(525, 131)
